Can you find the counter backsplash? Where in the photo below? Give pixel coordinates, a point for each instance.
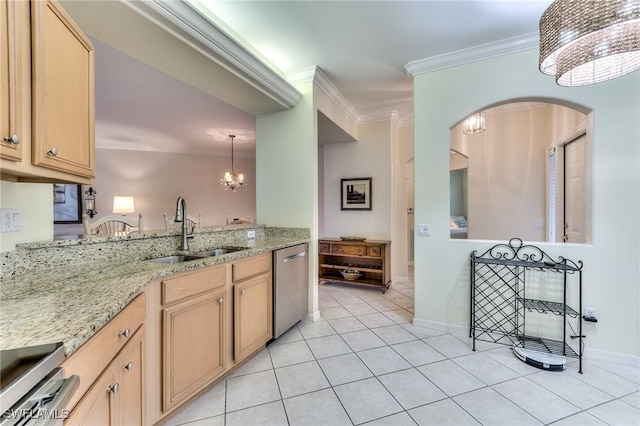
(40, 256)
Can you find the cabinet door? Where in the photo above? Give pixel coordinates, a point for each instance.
(63, 92)
(98, 406)
(193, 346)
(252, 315)
(131, 370)
(10, 79)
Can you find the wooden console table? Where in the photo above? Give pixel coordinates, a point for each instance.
(370, 257)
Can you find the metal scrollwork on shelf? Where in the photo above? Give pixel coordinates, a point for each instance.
(533, 256)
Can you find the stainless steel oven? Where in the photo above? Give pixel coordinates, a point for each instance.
(33, 390)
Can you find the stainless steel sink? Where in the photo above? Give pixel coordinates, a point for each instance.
(174, 259)
(195, 256)
(219, 251)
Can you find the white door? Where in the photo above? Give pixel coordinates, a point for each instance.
(409, 189)
(575, 190)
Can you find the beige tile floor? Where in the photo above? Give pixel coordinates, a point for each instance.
(364, 363)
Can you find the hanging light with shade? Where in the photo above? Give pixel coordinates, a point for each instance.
(589, 41)
(232, 179)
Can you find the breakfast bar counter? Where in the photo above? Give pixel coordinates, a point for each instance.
(65, 291)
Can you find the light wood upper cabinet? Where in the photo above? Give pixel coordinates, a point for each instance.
(48, 95)
(10, 81)
(63, 91)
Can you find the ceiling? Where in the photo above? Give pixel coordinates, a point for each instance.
(143, 109)
(364, 46)
(361, 46)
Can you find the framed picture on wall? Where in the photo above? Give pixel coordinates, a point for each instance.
(67, 205)
(355, 194)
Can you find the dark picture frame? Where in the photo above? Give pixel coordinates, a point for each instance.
(355, 194)
(67, 204)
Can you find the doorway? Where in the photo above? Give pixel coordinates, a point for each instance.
(575, 190)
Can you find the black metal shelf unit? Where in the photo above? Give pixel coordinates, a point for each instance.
(498, 284)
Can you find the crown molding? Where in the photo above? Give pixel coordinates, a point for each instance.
(128, 146)
(314, 74)
(380, 116)
(189, 24)
(473, 54)
(302, 76)
(406, 121)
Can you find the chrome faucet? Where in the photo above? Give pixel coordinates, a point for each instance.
(181, 216)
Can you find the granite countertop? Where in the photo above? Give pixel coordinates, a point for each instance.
(70, 304)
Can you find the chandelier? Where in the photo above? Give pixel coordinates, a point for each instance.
(589, 41)
(232, 180)
(473, 124)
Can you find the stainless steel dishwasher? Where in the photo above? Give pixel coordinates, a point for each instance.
(291, 287)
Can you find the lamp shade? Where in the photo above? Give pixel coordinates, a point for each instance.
(590, 41)
(123, 204)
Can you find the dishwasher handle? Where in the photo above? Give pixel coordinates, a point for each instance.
(295, 256)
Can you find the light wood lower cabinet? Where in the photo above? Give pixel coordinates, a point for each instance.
(116, 398)
(132, 370)
(193, 336)
(202, 324)
(252, 315)
(94, 357)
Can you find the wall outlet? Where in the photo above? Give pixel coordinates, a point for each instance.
(10, 220)
(590, 313)
(251, 234)
(537, 224)
(424, 229)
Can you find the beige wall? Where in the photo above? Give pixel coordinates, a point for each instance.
(287, 174)
(612, 273)
(369, 156)
(506, 176)
(156, 179)
(35, 204)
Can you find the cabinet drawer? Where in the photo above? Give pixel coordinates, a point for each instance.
(176, 289)
(375, 251)
(92, 357)
(252, 266)
(353, 250)
(323, 247)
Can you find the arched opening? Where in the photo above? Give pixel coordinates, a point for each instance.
(527, 174)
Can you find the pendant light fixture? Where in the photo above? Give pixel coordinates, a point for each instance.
(589, 41)
(232, 180)
(474, 124)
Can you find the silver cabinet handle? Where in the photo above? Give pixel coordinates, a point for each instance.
(114, 388)
(129, 366)
(126, 333)
(243, 291)
(53, 152)
(220, 300)
(14, 139)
